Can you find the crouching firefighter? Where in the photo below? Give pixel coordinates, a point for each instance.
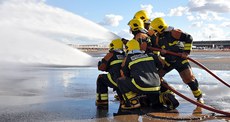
(111, 64)
(140, 77)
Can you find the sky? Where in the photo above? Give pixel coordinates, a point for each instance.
(203, 19)
(73, 21)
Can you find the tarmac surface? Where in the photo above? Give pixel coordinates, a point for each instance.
(68, 94)
(214, 60)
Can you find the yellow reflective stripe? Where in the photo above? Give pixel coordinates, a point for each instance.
(148, 40)
(105, 95)
(130, 95)
(102, 96)
(140, 60)
(197, 93)
(157, 88)
(156, 52)
(167, 92)
(187, 46)
(97, 96)
(111, 80)
(116, 62)
(162, 98)
(184, 61)
(173, 43)
(166, 63)
(163, 47)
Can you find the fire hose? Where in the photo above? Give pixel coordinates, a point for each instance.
(186, 98)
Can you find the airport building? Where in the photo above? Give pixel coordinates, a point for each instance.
(218, 44)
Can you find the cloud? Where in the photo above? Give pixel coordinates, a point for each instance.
(197, 24)
(209, 32)
(148, 8)
(225, 24)
(179, 11)
(111, 20)
(204, 16)
(191, 17)
(219, 6)
(157, 14)
(208, 16)
(22, 1)
(196, 3)
(213, 31)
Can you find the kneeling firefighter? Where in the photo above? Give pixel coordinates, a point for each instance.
(111, 64)
(140, 77)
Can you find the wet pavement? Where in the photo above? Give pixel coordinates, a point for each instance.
(51, 94)
(62, 94)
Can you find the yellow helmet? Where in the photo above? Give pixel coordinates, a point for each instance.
(132, 45)
(116, 44)
(136, 24)
(159, 25)
(142, 14)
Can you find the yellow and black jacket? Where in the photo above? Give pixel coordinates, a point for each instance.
(111, 63)
(142, 68)
(174, 40)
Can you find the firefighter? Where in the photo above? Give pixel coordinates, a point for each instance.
(139, 76)
(111, 64)
(140, 33)
(169, 38)
(143, 15)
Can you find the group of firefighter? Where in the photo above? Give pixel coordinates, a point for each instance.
(136, 72)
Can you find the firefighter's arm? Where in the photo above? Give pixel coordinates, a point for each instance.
(124, 68)
(144, 40)
(154, 43)
(103, 64)
(184, 37)
(151, 32)
(160, 63)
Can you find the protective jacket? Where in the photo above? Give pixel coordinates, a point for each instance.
(142, 68)
(111, 63)
(173, 40)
